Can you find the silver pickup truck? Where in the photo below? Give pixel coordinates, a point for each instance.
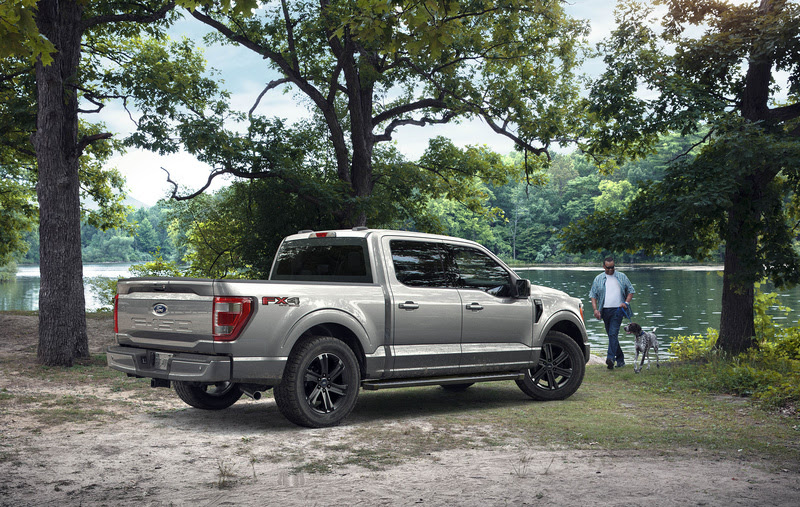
(350, 309)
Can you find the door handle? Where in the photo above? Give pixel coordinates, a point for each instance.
(474, 307)
(409, 305)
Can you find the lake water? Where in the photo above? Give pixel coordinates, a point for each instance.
(23, 293)
(676, 301)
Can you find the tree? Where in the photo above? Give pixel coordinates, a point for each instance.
(713, 68)
(369, 67)
(59, 147)
(614, 196)
(45, 38)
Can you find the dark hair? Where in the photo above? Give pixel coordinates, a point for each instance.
(608, 259)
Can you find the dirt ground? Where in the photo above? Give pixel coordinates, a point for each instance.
(130, 447)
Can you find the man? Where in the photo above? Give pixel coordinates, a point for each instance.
(611, 296)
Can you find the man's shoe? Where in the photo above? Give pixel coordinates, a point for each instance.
(620, 365)
(610, 364)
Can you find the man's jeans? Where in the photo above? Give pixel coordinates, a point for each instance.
(612, 318)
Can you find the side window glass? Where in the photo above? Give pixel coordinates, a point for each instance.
(476, 270)
(418, 263)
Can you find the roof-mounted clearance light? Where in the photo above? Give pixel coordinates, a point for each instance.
(322, 235)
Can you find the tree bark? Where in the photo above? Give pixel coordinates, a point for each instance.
(62, 317)
(736, 327)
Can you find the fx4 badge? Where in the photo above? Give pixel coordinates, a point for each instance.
(280, 301)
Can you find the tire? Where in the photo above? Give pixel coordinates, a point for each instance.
(217, 396)
(320, 383)
(456, 388)
(559, 372)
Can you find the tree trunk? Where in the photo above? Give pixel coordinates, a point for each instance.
(737, 328)
(62, 317)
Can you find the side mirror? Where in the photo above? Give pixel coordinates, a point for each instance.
(522, 288)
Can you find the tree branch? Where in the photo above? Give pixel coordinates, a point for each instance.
(408, 108)
(87, 140)
(294, 186)
(785, 113)
(389, 130)
(133, 18)
(270, 86)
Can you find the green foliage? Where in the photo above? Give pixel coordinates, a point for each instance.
(19, 35)
(770, 373)
(694, 347)
(366, 69)
(614, 196)
(213, 229)
(8, 271)
(17, 215)
(774, 340)
(105, 289)
(111, 40)
(157, 267)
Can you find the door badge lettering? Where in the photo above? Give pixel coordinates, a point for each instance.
(280, 301)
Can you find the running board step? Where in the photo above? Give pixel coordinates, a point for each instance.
(374, 385)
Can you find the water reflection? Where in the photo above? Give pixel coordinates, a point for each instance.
(23, 292)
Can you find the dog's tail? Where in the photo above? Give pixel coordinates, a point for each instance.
(654, 329)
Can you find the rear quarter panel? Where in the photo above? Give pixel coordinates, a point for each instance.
(284, 311)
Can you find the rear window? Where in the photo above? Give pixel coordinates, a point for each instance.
(323, 260)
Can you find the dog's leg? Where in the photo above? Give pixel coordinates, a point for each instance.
(644, 355)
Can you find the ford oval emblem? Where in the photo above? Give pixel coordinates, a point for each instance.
(160, 309)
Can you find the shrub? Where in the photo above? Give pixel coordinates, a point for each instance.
(106, 288)
(8, 271)
(694, 347)
(769, 373)
(157, 267)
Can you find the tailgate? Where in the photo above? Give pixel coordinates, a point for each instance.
(169, 314)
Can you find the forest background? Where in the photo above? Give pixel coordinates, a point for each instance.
(728, 72)
(225, 234)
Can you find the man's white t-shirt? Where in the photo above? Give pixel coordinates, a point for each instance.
(613, 297)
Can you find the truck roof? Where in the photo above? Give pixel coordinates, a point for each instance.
(363, 232)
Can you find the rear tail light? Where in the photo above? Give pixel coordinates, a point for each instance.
(116, 313)
(322, 235)
(230, 316)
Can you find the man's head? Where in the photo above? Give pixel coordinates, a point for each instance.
(608, 265)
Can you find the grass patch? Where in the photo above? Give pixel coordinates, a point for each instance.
(72, 409)
(615, 410)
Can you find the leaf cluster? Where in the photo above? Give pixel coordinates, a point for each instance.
(19, 35)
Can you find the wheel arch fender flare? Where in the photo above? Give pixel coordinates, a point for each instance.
(571, 325)
(331, 322)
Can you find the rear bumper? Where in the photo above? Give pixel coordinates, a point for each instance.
(181, 367)
(194, 367)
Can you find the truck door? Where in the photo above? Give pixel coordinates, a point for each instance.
(425, 312)
(497, 329)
